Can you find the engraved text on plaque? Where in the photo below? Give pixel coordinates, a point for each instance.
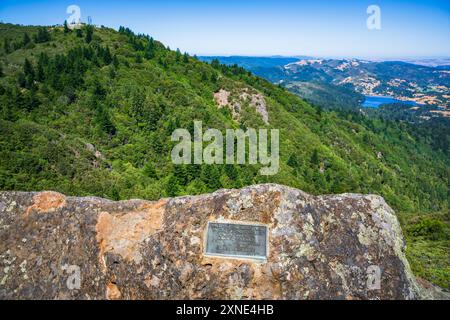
(236, 240)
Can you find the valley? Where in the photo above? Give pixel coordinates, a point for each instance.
(91, 113)
(343, 83)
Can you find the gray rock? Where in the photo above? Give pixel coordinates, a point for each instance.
(320, 247)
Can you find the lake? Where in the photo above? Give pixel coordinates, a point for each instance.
(376, 101)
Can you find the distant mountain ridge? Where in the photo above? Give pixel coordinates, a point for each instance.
(312, 78)
(92, 112)
(253, 62)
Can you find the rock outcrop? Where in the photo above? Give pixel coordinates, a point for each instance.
(319, 247)
(237, 100)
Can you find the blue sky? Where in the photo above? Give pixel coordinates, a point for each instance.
(263, 27)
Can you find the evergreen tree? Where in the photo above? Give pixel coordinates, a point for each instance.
(26, 39)
(66, 27)
(103, 119)
(315, 157)
(150, 49)
(293, 161)
(42, 63)
(30, 100)
(178, 55)
(320, 182)
(149, 170)
(98, 91)
(233, 174)
(211, 176)
(172, 187)
(79, 33)
(17, 99)
(112, 73)
(42, 36)
(6, 46)
(21, 80)
(16, 45)
(115, 62)
(215, 63)
(107, 59)
(115, 194)
(137, 106)
(28, 69)
(28, 75)
(89, 29)
(204, 77)
(409, 175)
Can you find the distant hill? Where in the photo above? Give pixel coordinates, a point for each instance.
(91, 112)
(326, 95)
(342, 83)
(251, 63)
(401, 80)
(429, 62)
(270, 68)
(112, 99)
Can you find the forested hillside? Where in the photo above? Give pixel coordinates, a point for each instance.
(91, 112)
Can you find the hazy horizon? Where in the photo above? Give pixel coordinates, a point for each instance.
(408, 29)
(325, 57)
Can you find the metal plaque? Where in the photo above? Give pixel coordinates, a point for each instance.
(236, 240)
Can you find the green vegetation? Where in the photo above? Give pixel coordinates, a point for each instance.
(327, 96)
(428, 238)
(91, 112)
(434, 129)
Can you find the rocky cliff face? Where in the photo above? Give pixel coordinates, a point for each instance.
(326, 247)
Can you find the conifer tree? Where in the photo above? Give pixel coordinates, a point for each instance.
(66, 27)
(150, 49)
(103, 119)
(21, 80)
(28, 68)
(107, 59)
(6, 45)
(215, 63)
(42, 36)
(292, 161)
(89, 33)
(115, 61)
(29, 73)
(315, 157)
(172, 187)
(178, 55)
(26, 39)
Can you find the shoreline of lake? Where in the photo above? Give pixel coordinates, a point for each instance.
(377, 101)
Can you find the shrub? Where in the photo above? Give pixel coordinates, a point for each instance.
(430, 229)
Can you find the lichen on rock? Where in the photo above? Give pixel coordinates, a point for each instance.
(319, 247)
(235, 101)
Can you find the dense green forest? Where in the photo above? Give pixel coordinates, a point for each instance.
(327, 96)
(91, 112)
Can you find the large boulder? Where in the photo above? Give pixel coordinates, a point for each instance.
(345, 246)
